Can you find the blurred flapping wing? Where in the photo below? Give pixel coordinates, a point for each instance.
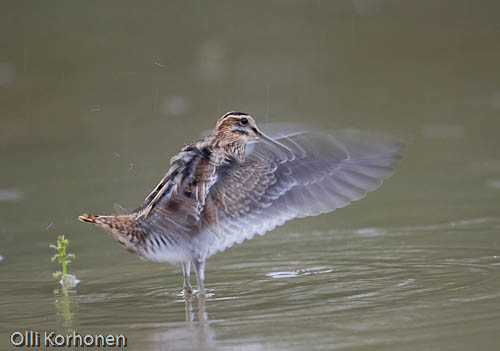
(313, 173)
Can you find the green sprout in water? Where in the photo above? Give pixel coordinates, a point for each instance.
(67, 280)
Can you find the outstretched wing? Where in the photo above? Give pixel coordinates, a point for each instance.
(316, 173)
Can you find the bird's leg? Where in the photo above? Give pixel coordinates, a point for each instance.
(199, 266)
(186, 271)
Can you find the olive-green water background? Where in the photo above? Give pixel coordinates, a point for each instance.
(96, 96)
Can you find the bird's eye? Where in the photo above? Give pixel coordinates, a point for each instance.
(243, 121)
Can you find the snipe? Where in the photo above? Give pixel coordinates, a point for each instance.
(237, 182)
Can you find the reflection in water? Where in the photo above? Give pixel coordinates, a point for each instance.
(64, 299)
(193, 335)
(401, 287)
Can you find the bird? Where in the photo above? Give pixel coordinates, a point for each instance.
(238, 182)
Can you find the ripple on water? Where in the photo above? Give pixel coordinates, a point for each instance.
(437, 270)
(472, 223)
(374, 283)
(300, 272)
(406, 282)
(368, 232)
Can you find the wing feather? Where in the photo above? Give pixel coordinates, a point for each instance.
(273, 185)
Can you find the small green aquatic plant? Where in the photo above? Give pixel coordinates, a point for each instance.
(64, 258)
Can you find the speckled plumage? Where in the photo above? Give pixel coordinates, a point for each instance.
(217, 192)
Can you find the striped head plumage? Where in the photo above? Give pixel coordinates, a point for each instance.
(231, 134)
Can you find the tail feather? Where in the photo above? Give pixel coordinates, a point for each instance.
(88, 218)
(124, 229)
(121, 225)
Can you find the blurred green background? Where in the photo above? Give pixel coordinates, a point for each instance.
(96, 96)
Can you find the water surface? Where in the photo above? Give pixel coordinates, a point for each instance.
(95, 98)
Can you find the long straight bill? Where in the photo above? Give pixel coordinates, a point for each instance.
(290, 153)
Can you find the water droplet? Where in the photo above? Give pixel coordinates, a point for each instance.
(7, 73)
(10, 194)
(495, 99)
(176, 106)
(159, 64)
(366, 7)
(494, 184)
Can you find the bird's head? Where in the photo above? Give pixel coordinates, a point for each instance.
(237, 127)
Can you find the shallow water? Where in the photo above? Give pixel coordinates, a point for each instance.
(94, 101)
